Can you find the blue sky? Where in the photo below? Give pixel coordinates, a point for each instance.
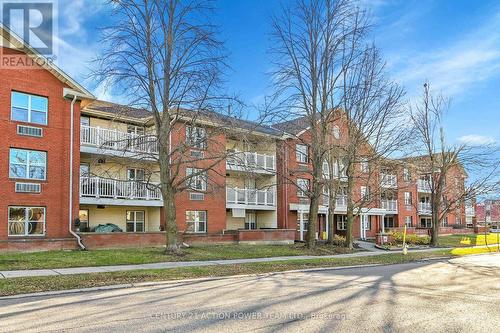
(455, 44)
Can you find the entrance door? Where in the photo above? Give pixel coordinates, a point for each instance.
(302, 224)
(364, 225)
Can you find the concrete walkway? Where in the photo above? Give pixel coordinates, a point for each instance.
(163, 265)
(369, 246)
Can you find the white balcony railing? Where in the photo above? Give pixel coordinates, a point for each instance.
(250, 197)
(390, 205)
(470, 211)
(424, 185)
(250, 161)
(116, 140)
(98, 187)
(424, 208)
(341, 202)
(388, 181)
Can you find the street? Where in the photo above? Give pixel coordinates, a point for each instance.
(458, 295)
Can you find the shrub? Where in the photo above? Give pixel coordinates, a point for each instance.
(410, 239)
(339, 240)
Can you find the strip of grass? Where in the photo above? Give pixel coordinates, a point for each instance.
(468, 240)
(63, 259)
(50, 283)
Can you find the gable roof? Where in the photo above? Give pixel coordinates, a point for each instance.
(294, 126)
(19, 44)
(117, 110)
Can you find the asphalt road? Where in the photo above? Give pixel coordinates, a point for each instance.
(461, 295)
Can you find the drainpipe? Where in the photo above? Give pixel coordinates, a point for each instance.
(78, 238)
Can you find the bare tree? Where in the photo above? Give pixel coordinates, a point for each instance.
(315, 42)
(371, 115)
(165, 57)
(441, 162)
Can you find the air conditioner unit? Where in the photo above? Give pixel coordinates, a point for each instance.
(30, 131)
(196, 196)
(28, 188)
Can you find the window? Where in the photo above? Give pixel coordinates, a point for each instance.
(341, 222)
(135, 221)
(408, 198)
(326, 170)
(302, 187)
(136, 174)
(426, 222)
(408, 221)
(365, 193)
(196, 137)
(84, 170)
(83, 215)
(367, 222)
(27, 164)
(196, 221)
(198, 179)
(26, 221)
(336, 132)
(365, 168)
(84, 121)
(406, 175)
(137, 130)
(250, 221)
(302, 153)
(388, 222)
(29, 108)
(305, 221)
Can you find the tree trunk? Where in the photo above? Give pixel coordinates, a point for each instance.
(331, 218)
(172, 245)
(435, 220)
(350, 225)
(313, 220)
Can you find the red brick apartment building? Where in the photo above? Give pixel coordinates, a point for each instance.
(67, 179)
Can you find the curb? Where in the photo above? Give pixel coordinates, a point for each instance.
(202, 279)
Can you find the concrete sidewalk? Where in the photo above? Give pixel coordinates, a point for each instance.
(163, 265)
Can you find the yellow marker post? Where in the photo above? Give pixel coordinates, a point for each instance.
(405, 249)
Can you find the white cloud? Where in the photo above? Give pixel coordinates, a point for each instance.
(477, 140)
(453, 69)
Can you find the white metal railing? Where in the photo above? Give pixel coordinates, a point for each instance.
(470, 211)
(341, 201)
(98, 187)
(424, 208)
(424, 185)
(253, 197)
(387, 180)
(117, 140)
(390, 205)
(251, 160)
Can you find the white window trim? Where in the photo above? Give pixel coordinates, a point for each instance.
(197, 221)
(26, 222)
(406, 175)
(302, 191)
(29, 108)
(407, 198)
(27, 165)
(301, 157)
(202, 177)
(341, 222)
(365, 167)
(409, 219)
(201, 142)
(336, 132)
(135, 221)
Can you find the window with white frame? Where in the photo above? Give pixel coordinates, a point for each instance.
(365, 168)
(406, 175)
(196, 221)
(27, 164)
(302, 187)
(26, 221)
(365, 193)
(408, 221)
(388, 222)
(326, 170)
(135, 220)
(336, 132)
(341, 222)
(29, 108)
(301, 153)
(196, 137)
(305, 221)
(407, 198)
(197, 179)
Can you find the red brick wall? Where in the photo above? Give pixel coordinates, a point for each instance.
(39, 244)
(122, 240)
(55, 141)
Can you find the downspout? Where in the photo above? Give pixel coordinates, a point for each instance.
(78, 238)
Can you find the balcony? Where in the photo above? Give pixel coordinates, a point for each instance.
(251, 162)
(388, 181)
(341, 202)
(246, 198)
(106, 191)
(424, 208)
(424, 185)
(391, 206)
(470, 211)
(114, 142)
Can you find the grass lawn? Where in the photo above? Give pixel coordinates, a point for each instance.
(61, 259)
(48, 283)
(468, 240)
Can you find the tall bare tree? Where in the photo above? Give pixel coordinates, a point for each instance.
(315, 42)
(165, 57)
(440, 161)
